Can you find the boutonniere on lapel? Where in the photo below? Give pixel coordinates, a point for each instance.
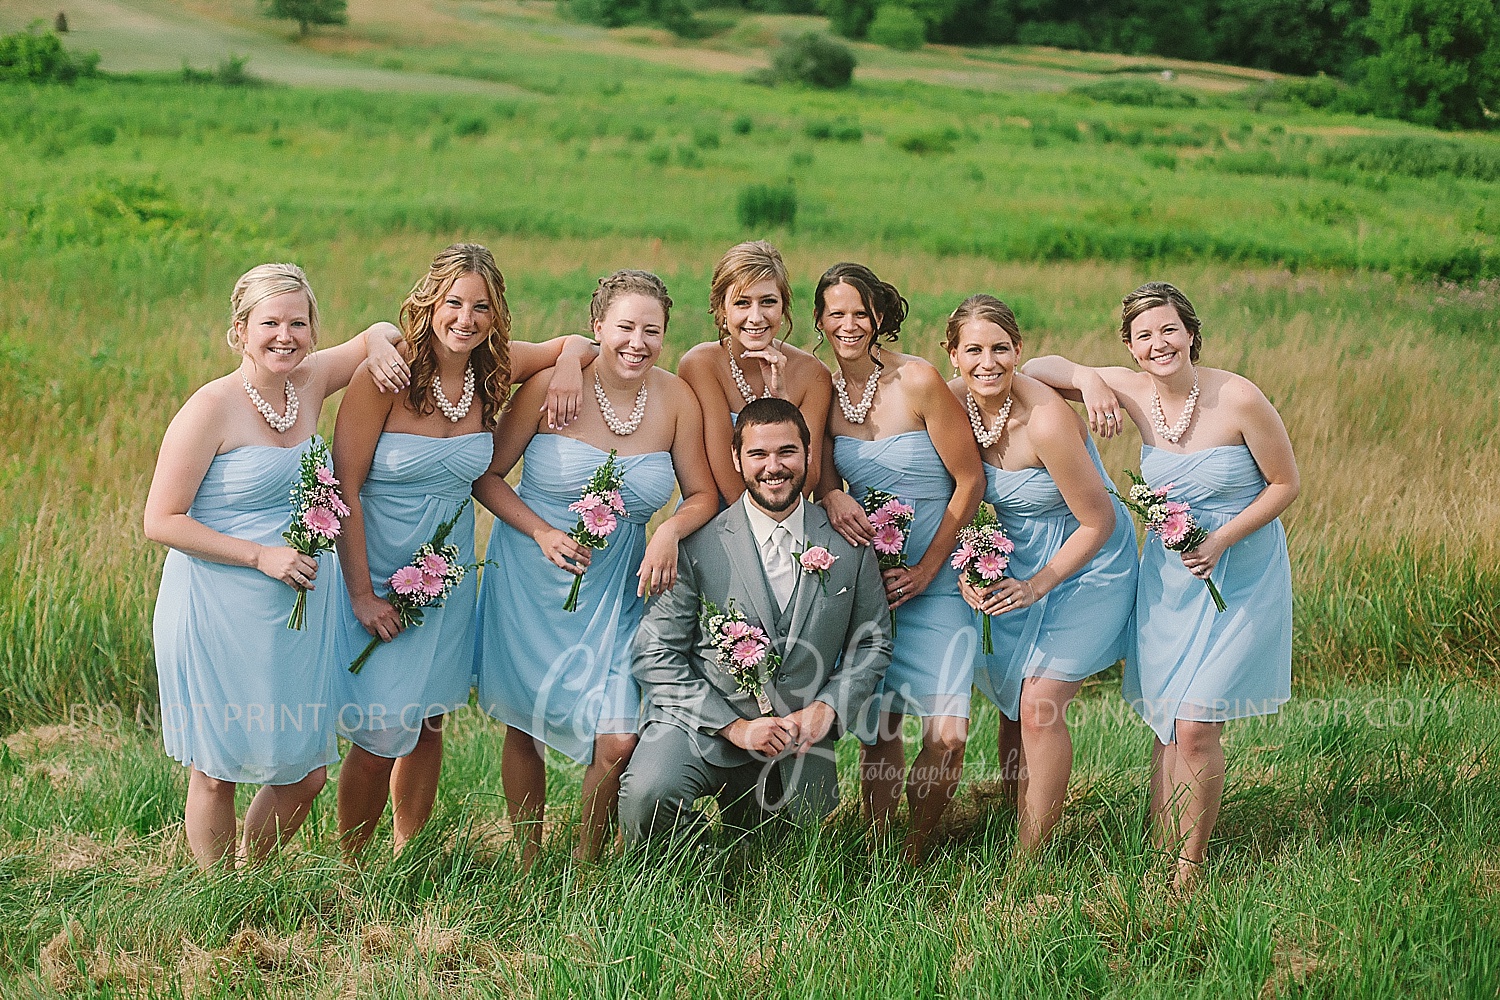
(744, 650)
(816, 559)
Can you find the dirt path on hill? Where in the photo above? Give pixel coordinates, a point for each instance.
(142, 35)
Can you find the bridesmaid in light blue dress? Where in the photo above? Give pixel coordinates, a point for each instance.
(407, 463)
(750, 297)
(244, 698)
(1228, 456)
(562, 678)
(906, 435)
(1062, 613)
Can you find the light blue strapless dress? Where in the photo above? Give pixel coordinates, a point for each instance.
(564, 676)
(1083, 624)
(415, 483)
(243, 697)
(932, 666)
(1189, 661)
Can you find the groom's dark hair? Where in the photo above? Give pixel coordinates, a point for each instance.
(770, 410)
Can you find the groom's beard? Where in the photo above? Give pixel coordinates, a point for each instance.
(783, 499)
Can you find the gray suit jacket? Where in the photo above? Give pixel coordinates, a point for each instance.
(834, 640)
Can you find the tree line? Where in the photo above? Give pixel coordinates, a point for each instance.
(1436, 62)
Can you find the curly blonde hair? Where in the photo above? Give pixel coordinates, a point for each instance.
(266, 281)
(491, 359)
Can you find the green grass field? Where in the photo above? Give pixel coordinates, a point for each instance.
(1348, 266)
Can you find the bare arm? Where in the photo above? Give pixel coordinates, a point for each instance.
(700, 498)
(362, 416)
(814, 406)
(948, 427)
(188, 449)
(566, 356)
(517, 426)
(1103, 391)
(845, 513)
(696, 369)
(378, 342)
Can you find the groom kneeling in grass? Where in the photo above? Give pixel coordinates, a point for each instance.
(752, 665)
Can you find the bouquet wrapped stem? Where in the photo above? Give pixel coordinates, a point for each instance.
(744, 650)
(1171, 521)
(983, 555)
(891, 520)
(599, 510)
(317, 510)
(425, 582)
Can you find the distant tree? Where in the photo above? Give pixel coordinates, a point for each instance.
(897, 27)
(1291, 36)
(815, 60)
(60, 23)
(850, 18)
(1437, 61)
(39, 57)
(309, 12)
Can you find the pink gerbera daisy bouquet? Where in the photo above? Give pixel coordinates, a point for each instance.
(317, 516)
(891, 520)
(744, 650)
(983, 556)
(1171, 520)
(425, 582)
(599, 510)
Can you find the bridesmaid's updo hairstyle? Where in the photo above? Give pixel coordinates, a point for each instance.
(986, 308)
(743, 265)
(629, 282)
(491, 359)
(880, 299)
(1159, 293)
(266, 281)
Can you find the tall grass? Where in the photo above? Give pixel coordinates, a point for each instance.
(1356, 857)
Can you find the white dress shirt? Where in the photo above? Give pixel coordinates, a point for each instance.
(775, 541)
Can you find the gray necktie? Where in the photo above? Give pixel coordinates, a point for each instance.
(779, 570)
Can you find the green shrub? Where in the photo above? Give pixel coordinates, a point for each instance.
(231, 73)
(742, 125)
(1137, 93)
(706, 137)
(1416, 156)
(689, 157)
(765, 206)
(658, 155)
(897, 27)
(813, 59)
(926, 141)
(39, 57)
(471, 125)
(1160, 158)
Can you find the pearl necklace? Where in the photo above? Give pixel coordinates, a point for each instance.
(279, 423)
(741, 383)
(613, 422)
(986, 438)
(856, 414)
(1159, 419)
(455, 411)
